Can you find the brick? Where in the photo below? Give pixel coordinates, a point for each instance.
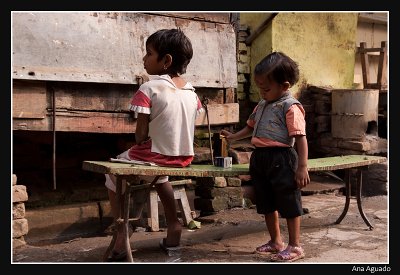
(323, 123)
(241, 78)
(354, 145)
(19, 193)
(244, 58)
(323, 107)
(211, 181)
(20, 227)
(233, 182)
(18, 242)
(18, 210)
(320, 90)
(243, 68)
(241, 157)
(210, 193)
(241, 95)
(211, 205)
(243, 47)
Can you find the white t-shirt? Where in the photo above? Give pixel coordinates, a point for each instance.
(173, 112)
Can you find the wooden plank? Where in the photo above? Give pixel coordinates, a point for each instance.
(220, 114)
(214, 96)
(29, 99)
(230, 95)
(90, 122)
(370, 50)
(93, 96)
(117, 122)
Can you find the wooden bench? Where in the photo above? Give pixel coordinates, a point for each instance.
(146, 194)
(126, 174)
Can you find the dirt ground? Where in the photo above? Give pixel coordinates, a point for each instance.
(230, 236)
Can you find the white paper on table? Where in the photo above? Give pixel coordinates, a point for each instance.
(132, 161)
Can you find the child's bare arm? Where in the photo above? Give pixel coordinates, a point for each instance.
(243, 133)
(302, 178)
(142, 128)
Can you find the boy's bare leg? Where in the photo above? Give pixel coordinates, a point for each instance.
(166, 194)
(293, 225)
(272, 222)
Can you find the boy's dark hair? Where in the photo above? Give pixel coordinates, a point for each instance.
(278, 67)
(175, 43)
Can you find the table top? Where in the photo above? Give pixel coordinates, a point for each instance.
(207, 170)
(342, 162)
(195, 170)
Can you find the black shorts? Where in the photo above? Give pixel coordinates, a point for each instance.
(272, 172)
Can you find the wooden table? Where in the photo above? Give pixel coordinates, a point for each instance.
(126, 174)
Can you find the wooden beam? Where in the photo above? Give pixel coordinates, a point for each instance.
(364, 64)
(106, 122)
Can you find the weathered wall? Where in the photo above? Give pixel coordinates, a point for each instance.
(323, 44)
(108, 47)
(92, 63)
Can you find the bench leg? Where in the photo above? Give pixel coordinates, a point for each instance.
(152, 210)
(180, 195)
(121, 221)
(126, 225)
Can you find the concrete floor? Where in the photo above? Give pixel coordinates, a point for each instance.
(230, 236)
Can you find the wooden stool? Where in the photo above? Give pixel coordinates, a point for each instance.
(145, 194)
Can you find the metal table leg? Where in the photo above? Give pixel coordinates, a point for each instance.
(359, 188)
(348, 191)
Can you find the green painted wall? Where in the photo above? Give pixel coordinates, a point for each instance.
(323, 44)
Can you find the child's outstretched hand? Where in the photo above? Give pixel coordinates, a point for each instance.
(225, 134)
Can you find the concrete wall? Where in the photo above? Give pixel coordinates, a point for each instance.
(324, 45)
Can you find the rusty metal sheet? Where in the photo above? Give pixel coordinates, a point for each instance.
(108, 47)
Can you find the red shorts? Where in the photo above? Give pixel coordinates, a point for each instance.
(143, 152)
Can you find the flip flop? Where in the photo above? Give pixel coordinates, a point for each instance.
(290, 254)
(269, 248)
(117, 256)
(166, 248)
